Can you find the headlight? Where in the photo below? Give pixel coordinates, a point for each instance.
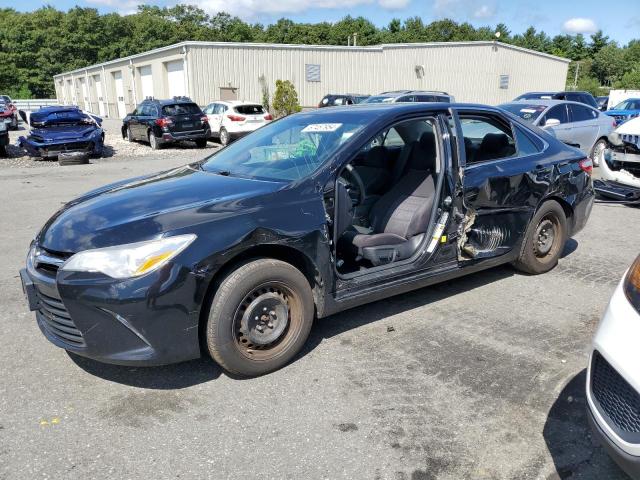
(632, 284)
(131, 260)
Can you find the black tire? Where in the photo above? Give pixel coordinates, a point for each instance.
(201, 143)
(597, 152)
(153, 141)
(129, 135)
(224, 137)
(263, 286)
(73, 158)
(539, 254)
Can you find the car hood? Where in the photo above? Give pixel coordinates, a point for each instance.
(631, 127)
(146, 207)
(63, 132)
(621, 112)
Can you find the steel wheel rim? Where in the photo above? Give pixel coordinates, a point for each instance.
(223, 137)
(546, 235)
(129, 135)
(283, 311)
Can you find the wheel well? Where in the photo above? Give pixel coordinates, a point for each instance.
(568, 209)
(278, 252)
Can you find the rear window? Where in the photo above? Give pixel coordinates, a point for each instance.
(181, 109)
(526, 112)
(249, 109)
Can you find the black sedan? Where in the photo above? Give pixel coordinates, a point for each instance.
(234, 256)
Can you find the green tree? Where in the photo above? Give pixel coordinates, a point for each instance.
(609, 64)
(285, 99)
(630, 80)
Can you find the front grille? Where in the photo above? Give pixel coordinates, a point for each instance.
(58, 321)
(632, 139)
(69, 147)
(49, 261)
(617, 399)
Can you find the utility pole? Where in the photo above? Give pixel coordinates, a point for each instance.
(355, 39)
(575, 80)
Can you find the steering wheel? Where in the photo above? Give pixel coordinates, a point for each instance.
(359, 187)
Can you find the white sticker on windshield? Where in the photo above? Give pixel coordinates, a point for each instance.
(528, 110)
(321, 127)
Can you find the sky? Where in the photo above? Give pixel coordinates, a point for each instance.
(621, 23)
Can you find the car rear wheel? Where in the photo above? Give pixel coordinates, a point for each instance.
(224, 136)
(154, 142)
(545, 239)
(201, 143)
(260, 317)
(597, 152)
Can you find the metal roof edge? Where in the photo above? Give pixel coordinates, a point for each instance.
(288, 46)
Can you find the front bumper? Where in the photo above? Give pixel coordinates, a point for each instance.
(615, 342)
(53, 149)
(629, 463)
(624, 157)
(148, 320)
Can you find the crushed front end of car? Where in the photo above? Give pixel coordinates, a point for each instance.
(56, 130)
(620, 168)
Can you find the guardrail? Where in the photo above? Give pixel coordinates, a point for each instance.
(34, 104)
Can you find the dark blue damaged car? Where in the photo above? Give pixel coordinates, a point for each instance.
(56, 130)
(235, 256)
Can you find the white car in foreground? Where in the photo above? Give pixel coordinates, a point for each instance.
(233, 119)
(613, 379)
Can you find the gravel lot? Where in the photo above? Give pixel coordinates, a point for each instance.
(481, 377)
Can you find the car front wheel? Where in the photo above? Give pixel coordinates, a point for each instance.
(129, 135)
(597, 153)
(260, 317)
(545, 239)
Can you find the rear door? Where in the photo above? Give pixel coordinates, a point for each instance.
(134, 123)
(504, 177)
(585, 126)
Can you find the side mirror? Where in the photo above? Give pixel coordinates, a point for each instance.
(24, 116)
(551, 122)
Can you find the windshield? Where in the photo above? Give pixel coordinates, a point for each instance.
(378, 99)
(628, 105)
(286, 150)
(527, 112)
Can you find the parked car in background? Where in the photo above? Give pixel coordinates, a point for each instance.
(620, 170)
(233, 119)
(580, 97)
(8, 113)
(570, 122)
(62, 129)
(410, 96)
(535, 96)
(4, 137)
(613, 377)
(235, 255)
(336, 99)
(603, 103)
(625, 110)
(161, 122)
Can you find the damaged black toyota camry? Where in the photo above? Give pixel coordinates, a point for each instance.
(236, 255)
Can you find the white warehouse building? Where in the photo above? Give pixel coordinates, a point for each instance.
(479, 72)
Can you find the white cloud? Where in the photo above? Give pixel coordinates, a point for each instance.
(394, 4)
(464, 9)
(580, 25)
(123, 7)
(485, 11)
(251, 9)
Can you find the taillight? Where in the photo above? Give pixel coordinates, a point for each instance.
(632, 284)
(236, 118)
(586, 165)
(204, 119)
(268, 116)
(164, 122)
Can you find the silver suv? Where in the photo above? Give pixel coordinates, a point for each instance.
(411, 96)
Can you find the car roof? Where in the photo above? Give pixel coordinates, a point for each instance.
(393, 109)
(235, 102)
(168, 101)
(347, 95)
(395, 93)
(549, 102)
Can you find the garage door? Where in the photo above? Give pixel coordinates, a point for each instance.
(175, 78)
(117, 80)
(146, 81)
